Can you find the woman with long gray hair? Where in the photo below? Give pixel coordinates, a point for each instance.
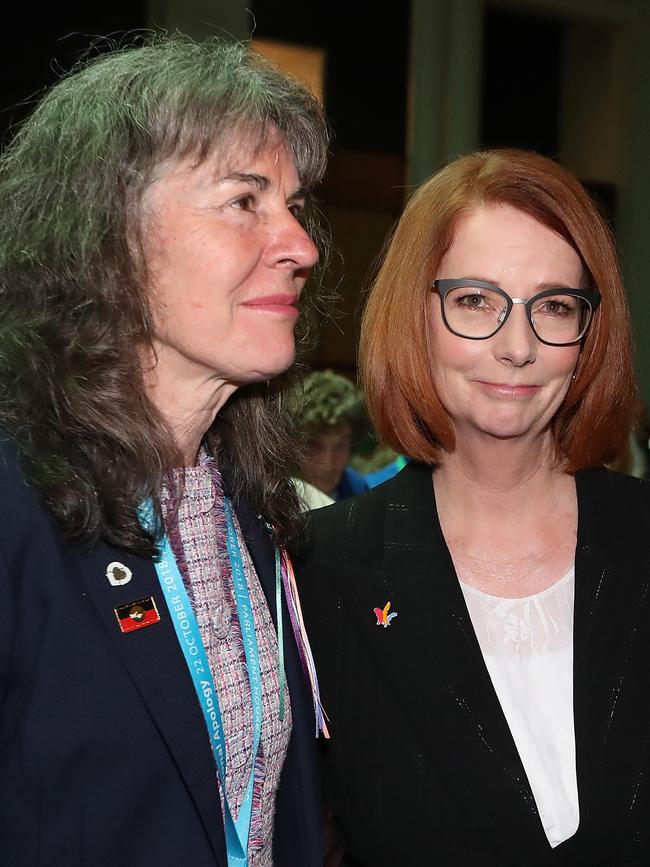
(159, 703)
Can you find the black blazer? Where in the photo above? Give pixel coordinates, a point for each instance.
(104, 753)
(422, 768)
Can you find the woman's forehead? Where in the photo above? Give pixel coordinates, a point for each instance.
(231, 152)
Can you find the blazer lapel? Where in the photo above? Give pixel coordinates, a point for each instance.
(432, 659)
(157, 667)
(611, 670)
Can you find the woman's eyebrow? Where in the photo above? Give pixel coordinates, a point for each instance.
(540, 287)
(300, 193)
(259, 181)
(478, 279)
(560, 284)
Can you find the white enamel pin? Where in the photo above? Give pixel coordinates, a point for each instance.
(118, 574)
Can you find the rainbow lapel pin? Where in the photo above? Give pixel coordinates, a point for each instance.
(383, 617)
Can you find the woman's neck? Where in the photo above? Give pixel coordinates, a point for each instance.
(188, 401)
(498, 469)
(508, 515)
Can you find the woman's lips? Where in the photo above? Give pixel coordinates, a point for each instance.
(280, 303)
(506, 390)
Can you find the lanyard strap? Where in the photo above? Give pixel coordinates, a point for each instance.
(282, 678)
(189, 638)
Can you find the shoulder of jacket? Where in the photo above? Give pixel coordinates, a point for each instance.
(352, 527)
(610, 483)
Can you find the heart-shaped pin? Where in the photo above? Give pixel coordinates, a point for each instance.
(118, 574)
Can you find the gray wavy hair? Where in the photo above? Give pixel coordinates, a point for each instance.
(73, 301)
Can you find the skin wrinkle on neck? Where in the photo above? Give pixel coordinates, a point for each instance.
(188, 408)
(508, 540)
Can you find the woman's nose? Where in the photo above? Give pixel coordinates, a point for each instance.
(291, 244)
(515, 343)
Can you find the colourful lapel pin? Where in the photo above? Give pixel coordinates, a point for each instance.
(383, 617)
(136, 615)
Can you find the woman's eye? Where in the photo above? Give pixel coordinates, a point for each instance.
(554, 307)
(298, 211)
(244, 203)
(472, 302)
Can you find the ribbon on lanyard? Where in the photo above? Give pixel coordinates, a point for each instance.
(189, 638)
(285, 573)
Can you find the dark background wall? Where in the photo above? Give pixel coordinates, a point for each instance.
(366, 93)
(367, 64)
(47, 39)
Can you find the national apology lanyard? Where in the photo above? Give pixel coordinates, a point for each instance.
(189, 638)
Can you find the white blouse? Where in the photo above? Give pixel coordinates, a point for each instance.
(527, 645)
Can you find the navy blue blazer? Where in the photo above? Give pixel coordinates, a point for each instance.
(422, 768)
(104, 753)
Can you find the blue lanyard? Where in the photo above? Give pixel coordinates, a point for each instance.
(189, 638)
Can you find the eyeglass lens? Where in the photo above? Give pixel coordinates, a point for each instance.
(472, 312)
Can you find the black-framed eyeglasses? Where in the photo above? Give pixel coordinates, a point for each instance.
(476, 310)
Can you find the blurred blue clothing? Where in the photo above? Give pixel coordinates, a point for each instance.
(351, 483)
(387, 472)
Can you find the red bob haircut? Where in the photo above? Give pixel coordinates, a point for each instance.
(593, 423)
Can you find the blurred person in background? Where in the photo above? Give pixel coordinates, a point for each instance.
(634, 457)
(329, 411)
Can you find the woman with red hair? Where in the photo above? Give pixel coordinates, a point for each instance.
(481, 621)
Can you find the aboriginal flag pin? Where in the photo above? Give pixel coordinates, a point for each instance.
(137, 615)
